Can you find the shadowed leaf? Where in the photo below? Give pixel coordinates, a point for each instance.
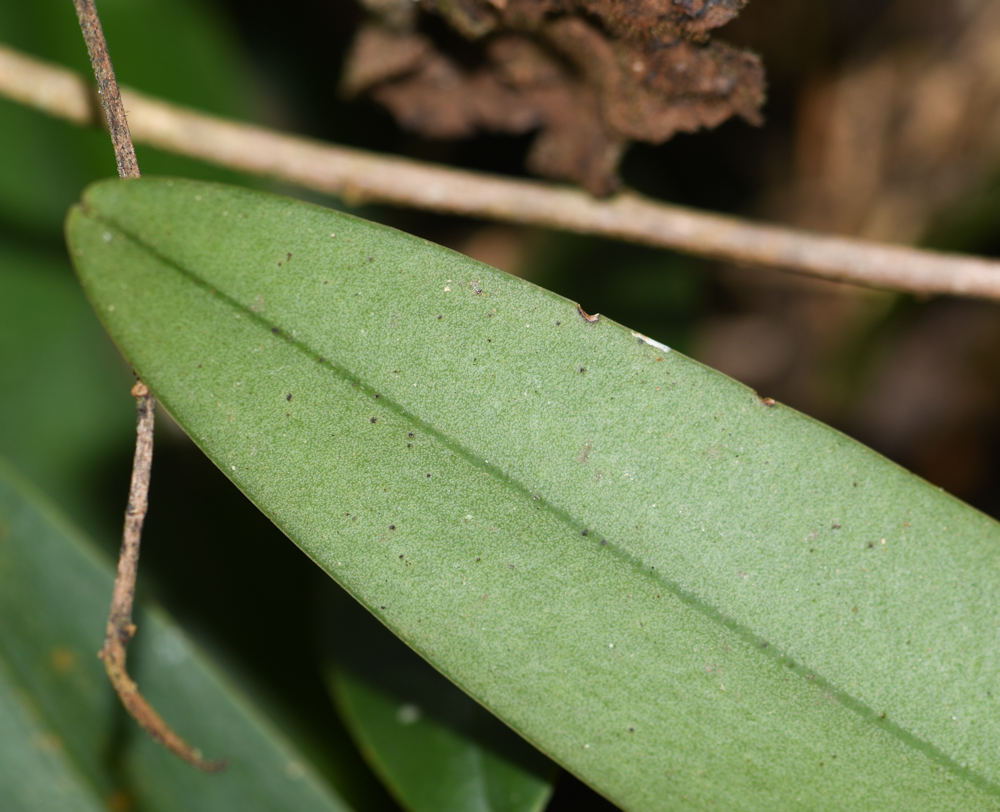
(67, 743)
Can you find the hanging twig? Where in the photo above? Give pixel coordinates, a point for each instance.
(120, 628)
(107, 87)
(364, 176)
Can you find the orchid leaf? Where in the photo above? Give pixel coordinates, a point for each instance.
(688, 596)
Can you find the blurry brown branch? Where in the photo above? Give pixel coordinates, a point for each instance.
(120, 628)
(357, 176)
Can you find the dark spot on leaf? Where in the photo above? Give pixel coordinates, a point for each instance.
(409, 445)
(401, 558)
(377, 396)
(763, 643)
(440, 317)
(381, 607)
(428, 476)
(373, 419)
(321, 360)
(288, 396)
(410, 434)
(871, 544)
(584, 532)
(558, 323)
(583, 369)
(392, 527)
(835, 526)
(631, 730)
(478, 558)
(274, 330)
(604, 542)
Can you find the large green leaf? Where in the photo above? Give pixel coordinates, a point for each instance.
(686, 595)
(432, 745)
(67, 743)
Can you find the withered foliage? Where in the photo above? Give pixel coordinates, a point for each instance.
(588, 75)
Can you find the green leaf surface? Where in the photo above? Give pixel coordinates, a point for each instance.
(437, 749)
(67, 743)
(689, 597)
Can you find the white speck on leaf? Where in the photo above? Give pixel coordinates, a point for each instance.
(408, 714)
(170, 647)
(651, 342)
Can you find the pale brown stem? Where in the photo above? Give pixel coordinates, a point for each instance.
(357, 175)
(120, 628)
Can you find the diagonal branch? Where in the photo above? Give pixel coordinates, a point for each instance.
(357, 175)
(120, 628)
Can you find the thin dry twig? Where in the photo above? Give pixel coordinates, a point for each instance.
(357, 175)
(107, 87)
(120, 628)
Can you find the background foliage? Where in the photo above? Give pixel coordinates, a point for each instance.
(882, 121)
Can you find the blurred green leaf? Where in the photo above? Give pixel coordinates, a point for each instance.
(176, 49)
(67, 743)
(686, 595)
(64, 401)
(437, 749)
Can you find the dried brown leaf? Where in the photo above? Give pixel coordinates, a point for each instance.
(380, 54)
(589, 75)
